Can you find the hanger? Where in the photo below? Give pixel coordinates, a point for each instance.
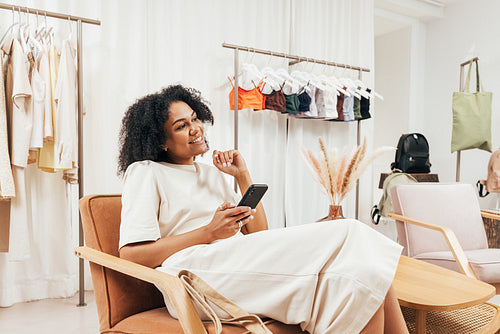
(371, 94)
(300, 77)
(5, 39)
(272, 80)
(272, 76)
(315, 79)
(336, 84)
(41, 29)
(33, 43)
(70, 28)
(351, 87)
(22, 32)
(293, 83)
(48, 33)
(281, 72)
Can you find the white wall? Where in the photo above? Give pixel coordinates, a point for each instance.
(466, 24)
(392, 80)
(391, 115)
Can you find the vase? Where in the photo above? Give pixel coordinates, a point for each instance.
(334, 212)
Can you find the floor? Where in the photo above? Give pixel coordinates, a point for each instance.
(54, 316)
(51, 316)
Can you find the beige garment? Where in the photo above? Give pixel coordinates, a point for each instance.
(65, 98)
(44, 71)
(38, 110)
(329, 277)
(47, 160)
(21, 119)
(38, 106)
(4, 226)
(7, 189)
(18, 91)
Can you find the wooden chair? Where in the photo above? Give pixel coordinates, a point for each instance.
(434, 221)
(441, 224)
(125, 293)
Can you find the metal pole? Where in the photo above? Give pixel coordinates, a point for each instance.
(457, 171)
(358, 141)
(80, 158)
(236, 70)
(47, 13)
(295, 57)
(459, 153)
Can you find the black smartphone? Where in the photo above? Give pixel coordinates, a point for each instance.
(253, 195)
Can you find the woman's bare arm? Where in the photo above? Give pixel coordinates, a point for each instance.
(231, 162)
(259, 223)
(153, 253)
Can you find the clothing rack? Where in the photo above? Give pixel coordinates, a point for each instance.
(457, 173)
(296, 59)
(79, 20)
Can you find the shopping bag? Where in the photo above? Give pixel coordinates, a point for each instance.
(201, 293)
(471, 117)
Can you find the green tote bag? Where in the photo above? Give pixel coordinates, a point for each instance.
(471, 117)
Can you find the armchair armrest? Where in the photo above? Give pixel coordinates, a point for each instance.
(168, 284)
(451, 240)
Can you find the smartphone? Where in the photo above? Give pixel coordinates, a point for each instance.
(253, 195)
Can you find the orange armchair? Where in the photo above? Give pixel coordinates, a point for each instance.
(126, 296)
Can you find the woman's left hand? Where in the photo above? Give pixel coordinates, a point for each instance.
(230, 162)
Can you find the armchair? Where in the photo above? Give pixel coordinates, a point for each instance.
(441, 224)
(129, 303)
(125, 293)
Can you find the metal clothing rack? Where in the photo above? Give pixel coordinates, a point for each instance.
(296, 59)
(470, 61)
(79, 20)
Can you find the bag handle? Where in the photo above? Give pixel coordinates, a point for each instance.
(375, 214)
(478, 81)
(480, 185)
(200, 292)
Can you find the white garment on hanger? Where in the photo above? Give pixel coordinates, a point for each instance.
(21, 119)
(65, 96)
(44, 71)
(20, 218)
(38, 87)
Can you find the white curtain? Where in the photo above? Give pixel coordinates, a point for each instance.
(143, 46)
(341, 31)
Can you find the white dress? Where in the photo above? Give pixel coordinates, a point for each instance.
(329, 277)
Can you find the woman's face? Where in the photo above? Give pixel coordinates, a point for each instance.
(185, 134)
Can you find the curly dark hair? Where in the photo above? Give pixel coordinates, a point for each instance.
(142, 133)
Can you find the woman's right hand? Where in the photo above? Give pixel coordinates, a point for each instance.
(225, 222)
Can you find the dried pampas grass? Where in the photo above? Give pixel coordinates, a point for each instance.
(336, 174)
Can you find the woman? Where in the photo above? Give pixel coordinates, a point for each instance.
(177, 214)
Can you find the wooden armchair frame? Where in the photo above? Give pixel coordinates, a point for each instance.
(168, 284)
(130, 296)
(451, 240)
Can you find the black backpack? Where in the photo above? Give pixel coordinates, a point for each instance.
(412, 155)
